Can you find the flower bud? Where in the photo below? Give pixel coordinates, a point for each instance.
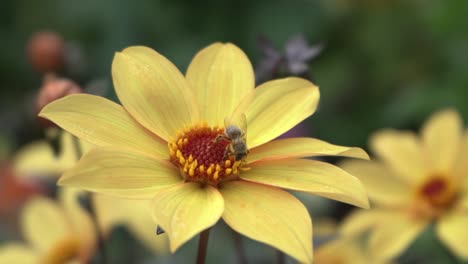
(46, 51)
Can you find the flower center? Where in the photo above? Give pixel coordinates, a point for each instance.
(63, 252)
(204, 157)
(438, 192)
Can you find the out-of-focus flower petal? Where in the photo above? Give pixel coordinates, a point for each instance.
(269, 215)
(271, 112)
(122, 173)
(361, 221)
(221, 75)
(311, 176)
(461, 165)
(18, 253)
(462, 203)
(44, 224)
(39, 159)
(103, 123)
(382, 185)
(341, 251)
(153, 91)
(133, 214)
(403, 152)
(441, 137)
(82, 224)
(302, 147)
(452, 230)
(187, 209)
(394, 234)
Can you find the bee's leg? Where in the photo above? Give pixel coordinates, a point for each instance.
(219, 138)
(243, 166)
(228, 151)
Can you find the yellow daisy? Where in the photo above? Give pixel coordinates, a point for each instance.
(160, 144)
(56, 233)
(418, 180)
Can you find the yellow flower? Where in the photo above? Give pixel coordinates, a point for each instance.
(55, 233)
(160, 144)
(416, 181)
(39, 160)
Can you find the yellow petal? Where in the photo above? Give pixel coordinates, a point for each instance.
(39, 159)
(393, 235)
(116, 172)
(18, 253)
(103, 123)
(44, 224)
(81, 223)
(278, 106)
(221, 75)
(451, 230)
(269, 215)
(361, 221)
(309, 176)
(153, 91)
(461, 165)
(382, 185)
(462, 203)
(342, 251)
(302, 147)
(185, 210)
(441, 137)
(402, 151)
(133, 214)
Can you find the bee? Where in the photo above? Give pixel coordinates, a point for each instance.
(235, 132)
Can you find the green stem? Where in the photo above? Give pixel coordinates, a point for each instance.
(281, 259)
(242, 258)
(203, 246)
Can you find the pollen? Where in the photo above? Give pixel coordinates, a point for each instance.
(201, 158)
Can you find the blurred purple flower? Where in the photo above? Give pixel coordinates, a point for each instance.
(292, 61)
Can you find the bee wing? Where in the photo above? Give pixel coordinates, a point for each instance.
(238, 120)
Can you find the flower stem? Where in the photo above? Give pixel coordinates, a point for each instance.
(242, 258)
(280, 257)
(203, 246)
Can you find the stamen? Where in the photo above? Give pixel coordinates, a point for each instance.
(200, 157)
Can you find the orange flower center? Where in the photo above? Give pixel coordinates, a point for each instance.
(201, 157)
(439, 193)
(63, 252)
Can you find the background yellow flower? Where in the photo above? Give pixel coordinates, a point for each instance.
(415, 181)
(54, 232)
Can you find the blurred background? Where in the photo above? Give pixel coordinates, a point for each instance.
(377, 63)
